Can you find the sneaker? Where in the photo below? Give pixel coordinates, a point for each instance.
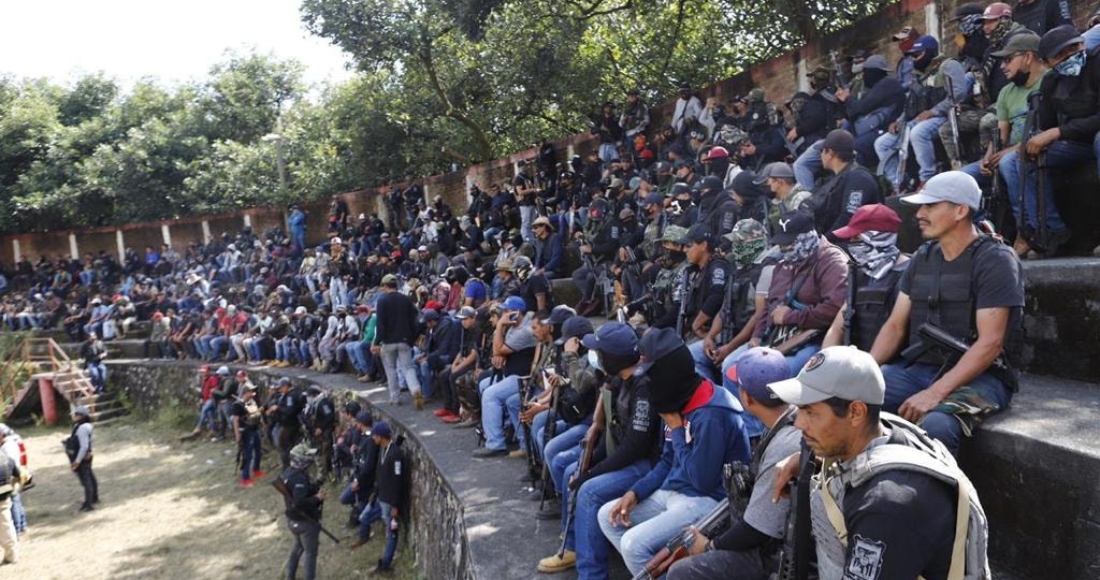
(485, 453)
(258, 474)
(86, 508)
(363, 378)
(471, 422)
(247, 483)
(556, 563)
(441, 412)
(358, 542)
(419, 399)
(382, 569)
(518, 454)
(451, 419)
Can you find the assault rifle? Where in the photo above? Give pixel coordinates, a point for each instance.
(548, 433)
(842, 80)
(677, 548)
(295, 513)
(582, 467)
(850, 309)
(953, 121)
(991, 203)
(940, 343)
(794, 555)
(685, 280)
(903, 156)
(534, 471)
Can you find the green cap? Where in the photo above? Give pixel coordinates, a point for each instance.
(674, 234)
(747, 230)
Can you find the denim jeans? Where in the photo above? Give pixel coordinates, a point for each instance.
(494, 403)
(904, 381)
(725, 564)
(1060, 155)
(397, 358)
(391, 535)
(807, 165)
(922, 137)
(18, 513)
(585, 532)
(97, 374)
(974, 170)
(307, 536)
(250, 452)
(653, 523)
(527, 215)
(206, 414)
(704, 367)
(565, 437)
(371, 513)
(361, 357)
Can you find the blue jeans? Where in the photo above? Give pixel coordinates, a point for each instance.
(1060, 154)
(250, 452)
(206, 414)
(807, 165)
(18, 513)
(904, 381)
(565, 437)
(704, 367)
(397, 359)
(494, 402)
(370, 513)
(361, 357)
(922, 137)
(975, 171)
(391, 535)
(591, 496)
(97, 374)
(654, 521)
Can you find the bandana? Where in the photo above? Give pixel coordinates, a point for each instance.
(999, 33)
(875, 252)
(744, 253)
(803, 247)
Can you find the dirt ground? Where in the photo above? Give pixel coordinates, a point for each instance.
(170, 511)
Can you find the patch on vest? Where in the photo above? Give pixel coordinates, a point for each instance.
(866, 559)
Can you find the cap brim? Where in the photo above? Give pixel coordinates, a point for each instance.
(1002, 53)
(793, 392)
(643, 367)
(591, 342)
(782, 239)
(846, 233)
(920, 198)
(761, 180)
(561, 341)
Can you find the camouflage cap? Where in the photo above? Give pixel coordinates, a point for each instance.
(746, 230)
(673, 234)
(821, 76)
(755, 96)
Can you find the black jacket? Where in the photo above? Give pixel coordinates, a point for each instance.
(634, 426)
(1072, 103)
(397, 317)
(838, 198)
(303, 504)
(392, 478)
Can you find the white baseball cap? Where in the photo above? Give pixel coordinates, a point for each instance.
(838, 371)
(953, 186)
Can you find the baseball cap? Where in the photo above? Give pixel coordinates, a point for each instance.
(858, 53)
(466, 312)
(250, 387)
(559, 314)
(790, 226)
(364, 417)
(717, 152)
(300, 310)
(874, 217)
(428, 315)
(505, 266)
(747, 230)
(389, 280)
(698, 233)
(382, 429)
(997, 10)
(674, 234)
(746, 187)
(515, 303)
(755, 96)
(925, 43)
(574, 327)
(655, 198)
(839, 141)
(904, 33)
(616, 184)
(775, 169)
(222, 371)
(953, 186)
(837, 371)
(283, 381)
(81, 410)
(1057, 39)
(656, 344)
(756, 369)
(613, 338)
(1023, 41)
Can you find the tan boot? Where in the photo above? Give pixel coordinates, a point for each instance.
(554, 563)
(419, 398)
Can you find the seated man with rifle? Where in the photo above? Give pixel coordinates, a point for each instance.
(703, 431)
(960, 308)
(752, 546)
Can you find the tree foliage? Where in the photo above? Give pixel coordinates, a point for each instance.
(439, 82)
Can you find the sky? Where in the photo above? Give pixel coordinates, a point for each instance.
(174, 42)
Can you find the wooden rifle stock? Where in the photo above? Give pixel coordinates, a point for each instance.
(582, 467)
(294, 512)
(676, 549)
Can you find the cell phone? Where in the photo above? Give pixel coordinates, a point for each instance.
(514, 317)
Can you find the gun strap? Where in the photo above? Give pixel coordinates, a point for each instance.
(605, 399)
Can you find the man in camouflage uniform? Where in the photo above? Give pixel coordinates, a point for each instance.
(666, 289)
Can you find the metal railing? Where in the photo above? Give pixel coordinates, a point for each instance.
(35, 355)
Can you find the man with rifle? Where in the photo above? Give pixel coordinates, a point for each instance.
(247, 421)
(703, 431)
(749, 549)
(625, 443)
(702, 299)
(304, 499)
(965, 285)
(319, 419)
(285, 412)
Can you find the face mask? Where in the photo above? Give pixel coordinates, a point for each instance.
(857, 68)
(594, 360)
(971, 24)
(1020, 78)
(1071, 66)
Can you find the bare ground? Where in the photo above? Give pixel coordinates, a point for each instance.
(171, 511)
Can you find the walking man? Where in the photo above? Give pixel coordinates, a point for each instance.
(394, 335)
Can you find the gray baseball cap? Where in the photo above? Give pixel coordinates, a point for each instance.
(953, 186)
(777, 169)
(838, 371)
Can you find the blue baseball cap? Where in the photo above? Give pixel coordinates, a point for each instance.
(758, 367)
(382, 429)
(925, 43)
(515, 303)
(613, 338)
(656, 344)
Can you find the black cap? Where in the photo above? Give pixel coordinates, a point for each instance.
(790, 226)
(839, 141)
(968, 9)
(655, 344)
(745, 186)
(559, 314)
(698, 233)
(574, 327)
(1057, 39)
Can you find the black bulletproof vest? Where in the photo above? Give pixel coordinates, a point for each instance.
(873, 302)
(942, 292)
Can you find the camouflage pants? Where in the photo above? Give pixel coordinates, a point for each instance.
(976, 128)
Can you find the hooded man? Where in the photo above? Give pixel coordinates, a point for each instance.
(304, 500)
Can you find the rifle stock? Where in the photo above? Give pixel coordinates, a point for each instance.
(582, 467)
(676, 549)
(297, 514)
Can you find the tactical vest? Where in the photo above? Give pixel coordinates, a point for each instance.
(873, 302)
(908, 448)
(7, 477)
(942, 293)
(928, 90)
(666, 286)
(252, 415)
(740, 303)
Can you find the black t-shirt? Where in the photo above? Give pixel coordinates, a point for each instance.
(534, 286)
(901, 524)
(248, 421)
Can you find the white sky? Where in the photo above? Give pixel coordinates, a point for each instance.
(170, 41)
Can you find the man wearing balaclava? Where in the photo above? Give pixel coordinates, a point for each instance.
(926, 109)
(703, 431)
(877, 265)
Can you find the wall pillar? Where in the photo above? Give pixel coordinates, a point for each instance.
(73, 250)
(206, 237)
(166, 234)
(932, 21)
(803, 80)
(16, 250)
(247, 220)
(121, 243)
